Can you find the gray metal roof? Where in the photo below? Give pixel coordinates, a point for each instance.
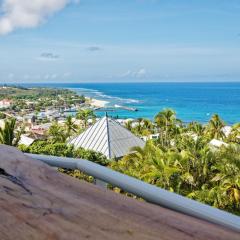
(108, 137)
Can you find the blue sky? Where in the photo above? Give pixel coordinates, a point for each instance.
(119, 40)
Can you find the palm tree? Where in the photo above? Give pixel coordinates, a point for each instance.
(227, 175)
(132, 163)
(149, 164)
(84, 115)
(138, 128)
(70, 126)
(195, 163)
(128, 125)
(147, 127)
(234, 136)
(214, 128)
(165, 117)
(143, 127)
(57, 133)
(7, 134)
(189, 166)
(196, 128)
(166, 122)
(231, 188)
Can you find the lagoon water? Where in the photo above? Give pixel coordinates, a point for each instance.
(191, 101)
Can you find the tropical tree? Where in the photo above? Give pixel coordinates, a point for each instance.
(70, 126)
(214, 128)
(57, 133)
(147, 127)
(138, 126)
(8, 134)
(167, 123)
(196, 128)
(85, 115)
(222, 189)
(165, 118)
(143, 127)
(228, 166)
(150, 164)
(234, 136)
(195, 162)
(128, 125)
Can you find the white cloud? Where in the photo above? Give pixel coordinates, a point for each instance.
(48, 56)
(94, 48)
(27, 13)
(126, 74)
(140, 73)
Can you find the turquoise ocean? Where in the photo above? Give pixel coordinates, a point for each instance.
(191, 101)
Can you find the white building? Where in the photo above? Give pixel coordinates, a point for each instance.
(2, 123)
(5, 103)
(41, 129)
(26, 140)
(151, 137)
(107, 137)
(227, 130)
(217, 143)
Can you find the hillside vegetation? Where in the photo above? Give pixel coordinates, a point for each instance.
(15, 92)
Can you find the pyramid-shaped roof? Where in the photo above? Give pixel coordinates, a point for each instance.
(108, 137)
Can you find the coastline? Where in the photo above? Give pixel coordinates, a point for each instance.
(96, 102)
(196, 101)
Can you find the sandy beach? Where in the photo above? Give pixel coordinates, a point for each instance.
(97, 103)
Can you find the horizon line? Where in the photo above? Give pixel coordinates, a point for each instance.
(119, 82)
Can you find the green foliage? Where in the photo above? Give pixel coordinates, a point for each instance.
(2, 115)
(214, 127)
(168, 126)
(63, 150)
(23, 148)
(182, 161)
(143, 127)
(39, 97)
(15, 92)
(8, 134)
(84, 115)
(57, 133)
(234, 136)
(49, 148)
(60, 133)
(91, 156)
(70, 126)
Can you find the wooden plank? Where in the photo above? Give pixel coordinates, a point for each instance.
(36, 202)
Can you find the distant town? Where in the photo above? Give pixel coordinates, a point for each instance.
(37, 109)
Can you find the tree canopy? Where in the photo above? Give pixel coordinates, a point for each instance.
(181, 159)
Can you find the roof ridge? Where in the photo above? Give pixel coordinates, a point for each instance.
(108, 137)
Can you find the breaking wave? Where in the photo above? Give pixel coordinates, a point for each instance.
(93, 93)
